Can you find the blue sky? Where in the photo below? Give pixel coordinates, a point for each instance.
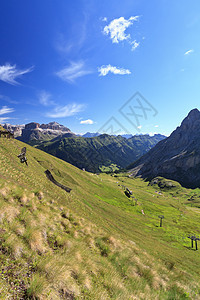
(81, 63)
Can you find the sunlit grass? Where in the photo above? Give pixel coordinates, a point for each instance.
(92, 243)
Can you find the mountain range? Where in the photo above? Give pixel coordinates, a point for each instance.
(93, 134)
(90, 134)
(177, 157)
(101, 153)
(93, 152)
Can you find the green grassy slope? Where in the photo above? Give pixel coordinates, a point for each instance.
(102, 153)
(93, 243)
(2, 129)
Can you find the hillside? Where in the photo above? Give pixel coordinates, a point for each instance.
(94, 242)
(177, 157)
(101, 153)
(1, 128)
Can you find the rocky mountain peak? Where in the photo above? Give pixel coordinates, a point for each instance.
(192, 120)
(53, 123)
(55, 126)
(32, 125)
(177, 157)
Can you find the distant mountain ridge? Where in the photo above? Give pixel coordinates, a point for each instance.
(33, 132)
(94, 152)
(15, 129)
(53, 128)
(101, 153)
(91, 134)
(177, 157)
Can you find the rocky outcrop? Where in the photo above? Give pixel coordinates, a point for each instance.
(34, 132)
(15, 129)
(55, 126)
(32, 125)
(176, 157)
(163, 183)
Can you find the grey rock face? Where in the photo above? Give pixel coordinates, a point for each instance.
(32, 125)
(176, 157)
(15, 129)
(55, 126)
(36, 132)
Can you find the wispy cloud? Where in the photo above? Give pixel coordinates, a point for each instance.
(65, 111)
(3, 120)
(104, 70)
(189, 52)
(134, 45)
(104, 19)
(9, 73)
(117, 27)
(88, 122)
(62, 45)
(74, 71)
(6, 110)
(45, 98)
(156, 126)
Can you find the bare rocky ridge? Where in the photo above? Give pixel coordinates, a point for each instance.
(55, 126)
(34, 132)
(15, 129)
(176, 157)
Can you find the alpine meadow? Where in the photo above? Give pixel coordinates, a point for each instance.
(100, 150)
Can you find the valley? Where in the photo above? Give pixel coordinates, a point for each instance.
(99, 150)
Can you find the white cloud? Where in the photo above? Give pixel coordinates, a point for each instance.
(90, 122)
(6, 110)
(139, 127)
(74, 71)
(117, 27)
(156, 126)
(45, 98)
(189, 52)
(104, 70)
(134, 45)
(104, 19)
(3, 120)
(9, 73)
(65, 111)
